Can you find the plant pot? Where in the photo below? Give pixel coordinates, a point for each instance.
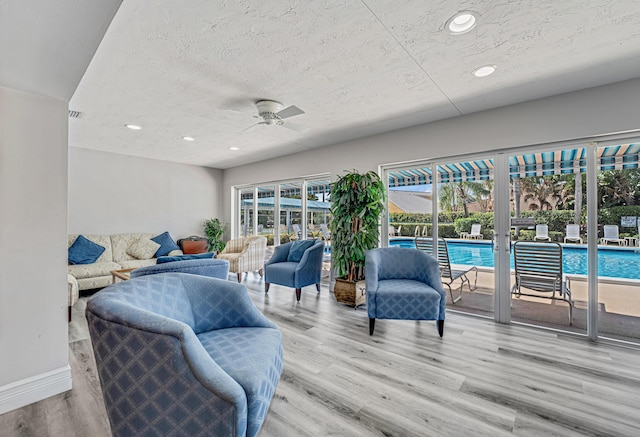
(351, 293)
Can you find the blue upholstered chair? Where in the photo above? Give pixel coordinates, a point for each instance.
(403, 284)
(215, 268)
(296, 265)
(183, 355)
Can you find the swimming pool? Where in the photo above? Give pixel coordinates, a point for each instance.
(611, 262)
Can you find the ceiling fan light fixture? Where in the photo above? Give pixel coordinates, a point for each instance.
(484, 71)
(462, 22)
(133, 126)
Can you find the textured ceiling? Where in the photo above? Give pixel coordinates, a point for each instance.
(356, 68)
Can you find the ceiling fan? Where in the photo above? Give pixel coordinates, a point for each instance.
(271, 113)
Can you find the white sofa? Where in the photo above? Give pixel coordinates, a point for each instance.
(114, 257)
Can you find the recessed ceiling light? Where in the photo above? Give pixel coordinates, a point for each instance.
(462, 22)
(485, 70)
(133, 126)
(234, 148)
(188, 138)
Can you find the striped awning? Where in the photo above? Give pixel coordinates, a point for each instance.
(535, 164)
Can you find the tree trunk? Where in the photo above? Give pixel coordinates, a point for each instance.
(516, 202)
(577, 203)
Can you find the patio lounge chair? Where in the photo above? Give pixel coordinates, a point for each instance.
(611, 235)
(542, 233)
(324, 232)
(538, 268)
(573, 234)
(448, 274)
(475, 232)
(297, 231)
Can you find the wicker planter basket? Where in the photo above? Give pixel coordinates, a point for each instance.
(351, 293)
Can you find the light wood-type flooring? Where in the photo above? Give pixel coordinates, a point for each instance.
(481, 379)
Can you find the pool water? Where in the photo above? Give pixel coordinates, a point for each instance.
(611, 262)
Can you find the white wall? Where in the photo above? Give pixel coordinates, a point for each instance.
(111, 193)
(601, 110)
(33, 248)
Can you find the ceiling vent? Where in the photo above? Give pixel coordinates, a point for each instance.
(75, 114)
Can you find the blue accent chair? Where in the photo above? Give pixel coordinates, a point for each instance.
(183, 355)
(215, 268)
(307, 271)
(403, 284)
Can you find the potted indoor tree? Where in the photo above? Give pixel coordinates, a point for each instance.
(357, 201)
(214, 229)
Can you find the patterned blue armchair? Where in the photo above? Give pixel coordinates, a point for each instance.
(296, 265)
(215, 268)
(403, 284)
(183, 355)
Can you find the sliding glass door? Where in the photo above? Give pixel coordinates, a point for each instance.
(554, 233)
(618, 212)
(456, 209)
(547, 227)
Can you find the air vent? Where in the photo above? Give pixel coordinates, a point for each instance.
(75, 114)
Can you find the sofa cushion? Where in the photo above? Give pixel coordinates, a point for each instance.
(168, 259)
(81, 271)
(143, 248)
(166, 244)
(120, 243)
(84, 251)
(298, 248)
(102, 240)
(135, 263)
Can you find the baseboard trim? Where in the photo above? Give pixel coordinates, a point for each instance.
(34, 389)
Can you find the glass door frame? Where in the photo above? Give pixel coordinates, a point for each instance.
(502, 228)
(236, 203)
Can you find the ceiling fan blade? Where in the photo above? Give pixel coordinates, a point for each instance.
(253, 125)
(290, 112)
(296, 127)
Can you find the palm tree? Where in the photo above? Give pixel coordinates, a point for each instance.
(542, 191)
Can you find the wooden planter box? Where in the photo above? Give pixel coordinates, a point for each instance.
(351, 293)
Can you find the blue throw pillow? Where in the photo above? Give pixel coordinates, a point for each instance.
(297, 249)
(166, 244)
(84, 251)
(168, 259)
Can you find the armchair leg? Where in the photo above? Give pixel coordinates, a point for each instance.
(318, 287)
(69, 314)
(440, 327)
(372, 325)
(266, 287)
(239, 277)
(298, 293)
(261, 272)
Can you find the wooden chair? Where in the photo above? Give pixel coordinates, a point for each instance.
(448, 274)
(538, 268)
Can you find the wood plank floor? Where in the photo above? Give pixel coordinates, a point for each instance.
(481, 379)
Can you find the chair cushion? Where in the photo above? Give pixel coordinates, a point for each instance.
(281, 273)
(298, 248)
(241, 353)
(166, 244)
(406, 299)
(84, 251)
(168, 259)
